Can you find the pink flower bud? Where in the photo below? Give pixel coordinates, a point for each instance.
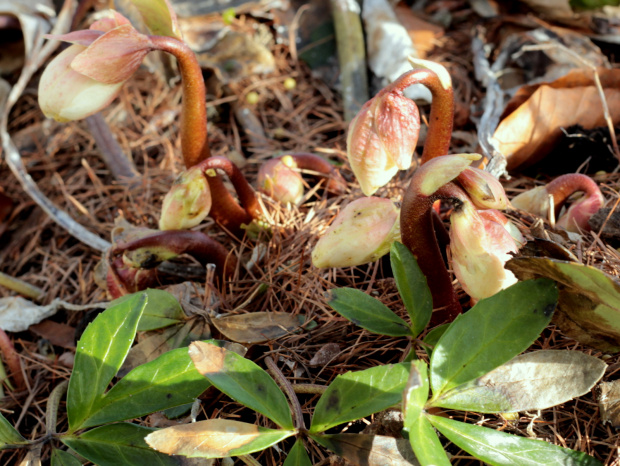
(480, 247)
(361, 233)
(382, 138)
(439, 171)
(187, 203)
(279, 179)
(485, 191)
(578, 214)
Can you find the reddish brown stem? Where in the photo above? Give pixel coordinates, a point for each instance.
(307, 161)
(11, 358)
(194, 136)
(418, 234)
(564, 186)
(246, 193)
(441, 118)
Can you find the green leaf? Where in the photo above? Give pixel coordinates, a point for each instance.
(100, 353)
(424, 441)
(355, 395)
(215, 438)
(589, 306)
(297, 456)
(62, 458)
(412, 286)
(162, 310)
(491, 333)
(9, 436)
(369, 450)
(242, 380)
(528, 382)
(117, 444)
(168, 381)
(499, 448)
(367, 312)
(433, 337)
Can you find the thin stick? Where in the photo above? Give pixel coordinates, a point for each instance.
(20, 286)
(288, 389)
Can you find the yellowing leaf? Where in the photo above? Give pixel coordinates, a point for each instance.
(214, 438)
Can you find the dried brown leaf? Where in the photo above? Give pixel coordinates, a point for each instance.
(256, 327)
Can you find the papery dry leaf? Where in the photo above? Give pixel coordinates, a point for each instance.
(57, 334)
(256, 327)
(370, 450)
(423, 34)
(534, 118)
(609, 402)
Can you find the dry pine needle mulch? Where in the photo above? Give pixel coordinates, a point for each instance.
(64, 161)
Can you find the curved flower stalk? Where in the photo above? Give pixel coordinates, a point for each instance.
(383, 135)
(87, 76)
(280, 177)
(189, 200)
(132, 265)
(536, 201)
(361, 233)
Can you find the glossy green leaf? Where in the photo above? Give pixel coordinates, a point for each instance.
(528, 382)
(168, 381)
(412, 286)
(433, 337)
(158, 17)
(99, 355)
(297, 456)
(162, 310)
(589, 306)
(367, 312)
(242, 380)
(424, 441)
(62, 458)
(117, 444)
(355, 395)
(215, 438)
(369, 450)
(499, 448)
(9, 436)
(491, 333)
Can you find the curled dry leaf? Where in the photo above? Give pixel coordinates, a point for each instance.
(256, 327)
(589, 302)
(533, 120)
(609, 402)
(528, 382)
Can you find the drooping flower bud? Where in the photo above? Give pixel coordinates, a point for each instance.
(480, 247)
(441, 170)
(577, 216)
(279, 179)
(187, 203)
(87, 76)
(485, 191)
(382, 138)
(361, 233)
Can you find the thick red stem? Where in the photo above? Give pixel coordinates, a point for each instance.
(441, 118)
(418, 234)
(566, 185)
(246, 193)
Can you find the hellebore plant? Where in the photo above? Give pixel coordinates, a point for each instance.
(280, 177)
(537, 201)
(88, 75)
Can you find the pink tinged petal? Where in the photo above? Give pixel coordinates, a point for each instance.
(535, 201)
(479, 249)
(84, 37)
(485, 191)
(578, 214)
(66, 95)
(115, 56)
(397, 122)
(441, 170)
(278, 179)
(361, 233)
(114, 20)
(496, 216)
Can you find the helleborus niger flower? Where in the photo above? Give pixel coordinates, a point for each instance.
(279, 178)
(485, 191)
(537, 201)
(382, 138)
(88, 75)
(480, 247)
(362, 232)
(187, 203)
